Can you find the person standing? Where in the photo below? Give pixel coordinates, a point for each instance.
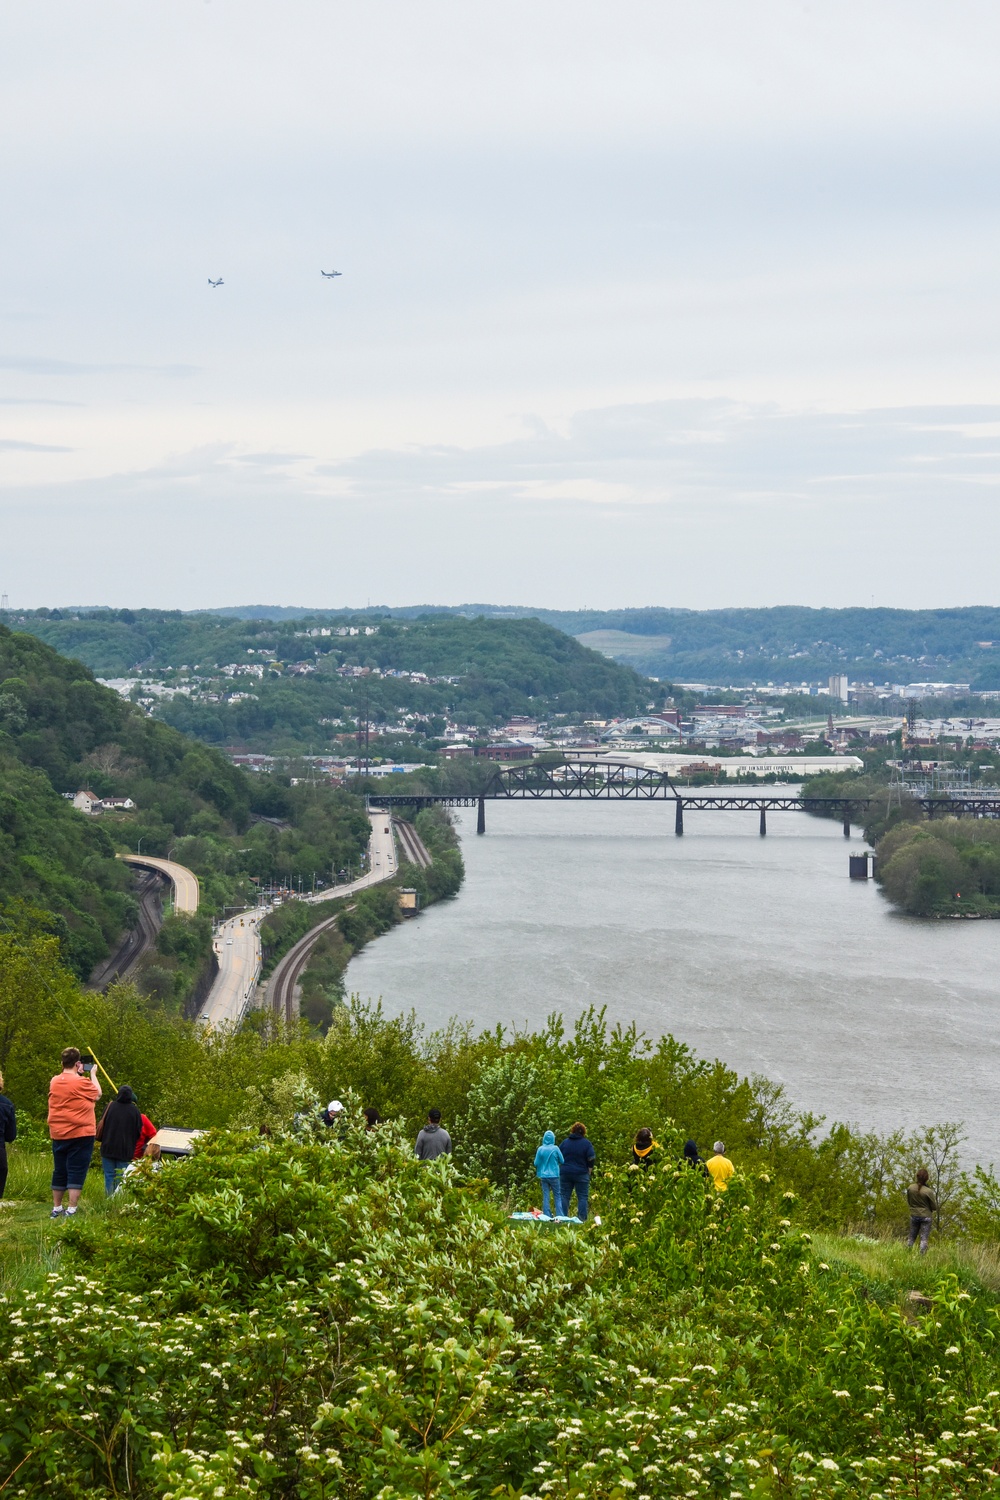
(719, 1167)
(644, 1149)
(574, 1174)
(73, 1093)
(548, 1160)
(148, 1131)
(433, 1141)
(923, 1205)
(8, 1133)
(119, 1133)
(692, 1159)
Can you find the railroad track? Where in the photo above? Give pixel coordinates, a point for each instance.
(140, 938)
(288, 971)
(414, 850)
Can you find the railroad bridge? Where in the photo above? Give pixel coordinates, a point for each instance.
(600, 780)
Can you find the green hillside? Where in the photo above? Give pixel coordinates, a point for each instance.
(729, 646)
(305, 1312)
(297, 685)
(60, 730)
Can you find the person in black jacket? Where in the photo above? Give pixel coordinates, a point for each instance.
(8, 1132)
(119, 1132)
(574, 1174)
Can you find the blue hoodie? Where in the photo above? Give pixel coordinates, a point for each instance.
(548, 1157)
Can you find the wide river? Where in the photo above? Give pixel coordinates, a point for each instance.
(761, 952)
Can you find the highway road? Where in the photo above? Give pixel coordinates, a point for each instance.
(237, 941)
(183, 880)
(237, 948)
(382, 865)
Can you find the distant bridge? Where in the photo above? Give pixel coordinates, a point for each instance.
(614, 781)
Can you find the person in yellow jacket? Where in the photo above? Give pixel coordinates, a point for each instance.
(720, 1168)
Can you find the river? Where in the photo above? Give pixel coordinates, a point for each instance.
(760, 951)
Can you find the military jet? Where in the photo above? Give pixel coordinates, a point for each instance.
(331, 274)
(215, 283)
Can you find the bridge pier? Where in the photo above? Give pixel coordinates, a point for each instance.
(678, 817)
(481, 818)
(763, 823)
(847, 825)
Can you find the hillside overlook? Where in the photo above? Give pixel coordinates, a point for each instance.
(60, 731)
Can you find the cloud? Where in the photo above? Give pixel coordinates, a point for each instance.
(677, 452)
(29, 364)
(35, 401)
(10, 445)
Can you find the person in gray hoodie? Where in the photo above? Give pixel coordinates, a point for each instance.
(548, 1160)
(433, 1140)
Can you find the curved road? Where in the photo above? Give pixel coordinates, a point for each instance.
(382, 865)
(183, 880)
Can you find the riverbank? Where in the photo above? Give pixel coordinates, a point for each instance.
(761, 951)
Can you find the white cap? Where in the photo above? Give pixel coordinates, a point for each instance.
(334, 1107)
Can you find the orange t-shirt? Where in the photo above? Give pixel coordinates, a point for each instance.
(72, 1097)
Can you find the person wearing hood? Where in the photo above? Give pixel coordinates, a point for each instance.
(692, 1159)
(548, 1160)
(333, 1114)
(118, 1133)
(433, 1140)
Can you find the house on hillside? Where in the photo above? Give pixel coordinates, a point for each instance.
(87, 802)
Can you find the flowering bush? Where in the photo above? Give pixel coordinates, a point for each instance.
(324, 1318)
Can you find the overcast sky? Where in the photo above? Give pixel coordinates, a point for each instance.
(642, 303)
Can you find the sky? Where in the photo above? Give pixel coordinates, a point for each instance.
(641, 303)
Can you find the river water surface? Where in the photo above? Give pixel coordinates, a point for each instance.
(759, 951)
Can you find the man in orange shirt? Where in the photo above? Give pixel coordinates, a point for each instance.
(73, 1093)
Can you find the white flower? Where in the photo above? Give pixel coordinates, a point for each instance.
(953, 1349)
(829, 1463)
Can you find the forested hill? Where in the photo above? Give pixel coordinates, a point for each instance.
(737, 646)
(297, 684)
(60, 731)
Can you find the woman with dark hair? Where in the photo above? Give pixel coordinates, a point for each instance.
(574, 1174)
(644, 1149)
(119, 1132)
(923, 1205)
(372, 1118)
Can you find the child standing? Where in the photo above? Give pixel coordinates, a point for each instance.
(548, 1160)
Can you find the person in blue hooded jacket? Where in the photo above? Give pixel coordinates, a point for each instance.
(548, 1160)
(578, 1163)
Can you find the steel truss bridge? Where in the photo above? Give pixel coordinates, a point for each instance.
(610, 781)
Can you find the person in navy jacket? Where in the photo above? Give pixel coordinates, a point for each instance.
(574, 1174)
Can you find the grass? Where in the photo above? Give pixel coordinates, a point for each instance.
(29, 1240)
(889, 1269)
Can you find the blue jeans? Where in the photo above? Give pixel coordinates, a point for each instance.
(112, 1170)
(582, 1186)
(550, 1189)
(70, 1162)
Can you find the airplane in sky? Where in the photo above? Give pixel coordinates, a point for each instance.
(215, 283)
(331, 274)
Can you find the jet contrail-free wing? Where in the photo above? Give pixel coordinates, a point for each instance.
(330, 274)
